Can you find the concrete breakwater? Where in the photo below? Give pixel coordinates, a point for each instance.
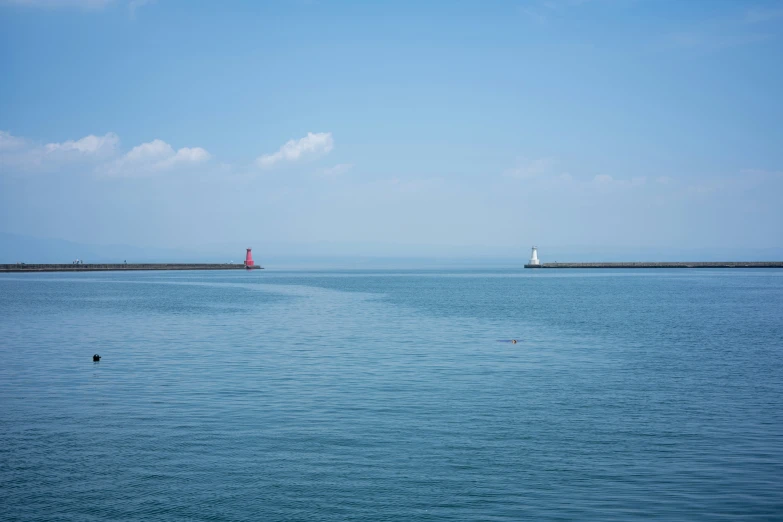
(71, 267)
(697, 264)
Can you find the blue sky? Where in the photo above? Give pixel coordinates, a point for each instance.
(396, 127)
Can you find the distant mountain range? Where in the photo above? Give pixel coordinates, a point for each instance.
(19, 248)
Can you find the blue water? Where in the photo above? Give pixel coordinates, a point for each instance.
(386, 395)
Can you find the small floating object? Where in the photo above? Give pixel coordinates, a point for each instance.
(96, 358)
(512, 341)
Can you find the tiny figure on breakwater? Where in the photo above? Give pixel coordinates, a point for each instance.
(96, 358)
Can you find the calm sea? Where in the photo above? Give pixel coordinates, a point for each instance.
(388, 395)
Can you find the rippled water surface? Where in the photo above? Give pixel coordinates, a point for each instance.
(386, 395)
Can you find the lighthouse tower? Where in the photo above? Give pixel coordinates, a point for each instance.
(534, 257)
(249, 259)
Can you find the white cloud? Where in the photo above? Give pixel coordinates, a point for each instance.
(606, 180)
(19, 153)
(544, 172)
(88, 145)
(10, 142)
(293, 150)
(154, 157)
(337, 170)
(528, 169)
(154, 150)
(746, 179)
(189, 155)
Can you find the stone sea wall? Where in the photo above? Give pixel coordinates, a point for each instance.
(71, 267)
(696, 264)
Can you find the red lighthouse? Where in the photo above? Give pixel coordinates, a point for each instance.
(249, 259)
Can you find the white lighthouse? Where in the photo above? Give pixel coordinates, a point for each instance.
(534, 257)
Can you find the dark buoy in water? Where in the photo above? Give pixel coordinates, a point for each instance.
(96, 358)
(513, 341)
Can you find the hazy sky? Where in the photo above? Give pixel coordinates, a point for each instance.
(456, 123)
